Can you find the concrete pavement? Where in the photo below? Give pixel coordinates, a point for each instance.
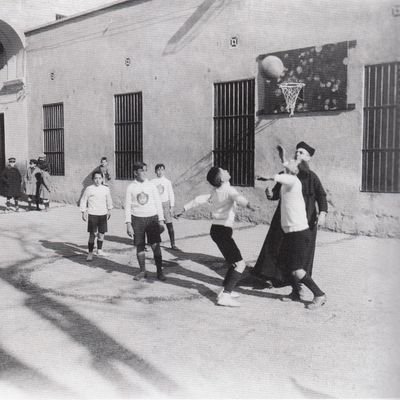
(74, 329)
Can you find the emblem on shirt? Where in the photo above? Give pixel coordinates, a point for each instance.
(160, 188)
(142, 198)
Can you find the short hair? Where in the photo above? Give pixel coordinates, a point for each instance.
(96, 171)
(33, 161)
(138, 165)
(214, 176)
(103, 158)
(158, 166)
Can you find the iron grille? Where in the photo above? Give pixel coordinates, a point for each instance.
(381, 136)
(53, 132)
(234, 129)
(128, 133)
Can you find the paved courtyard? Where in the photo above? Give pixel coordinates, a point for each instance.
(81, 330)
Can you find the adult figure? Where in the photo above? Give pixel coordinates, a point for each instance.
(270, 265)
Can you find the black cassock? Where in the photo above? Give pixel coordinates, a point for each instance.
(271, 264)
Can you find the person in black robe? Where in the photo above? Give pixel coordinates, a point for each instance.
(270, 265)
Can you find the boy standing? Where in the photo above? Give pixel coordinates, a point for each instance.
(297, 235)
(103, 168)
(96, 205)
(30, 183)
(223, 199)
(11, 184)
(167, 196)
(143, 214)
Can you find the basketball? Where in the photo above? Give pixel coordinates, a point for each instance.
(272, 67)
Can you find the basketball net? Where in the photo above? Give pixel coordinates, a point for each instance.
(291, 91)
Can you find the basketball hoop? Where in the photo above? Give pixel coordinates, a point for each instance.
(291, 91)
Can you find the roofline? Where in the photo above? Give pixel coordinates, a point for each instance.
(80, 16)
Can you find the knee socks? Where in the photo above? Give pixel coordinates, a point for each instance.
(232, 280)
(91, 246)
(309, 282)
(171, 233)
(99, 244)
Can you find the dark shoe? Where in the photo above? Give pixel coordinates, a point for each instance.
(317, 302)
(141, 275)
(260, 285)
(293, 296)
(173, 247)
(161, 277)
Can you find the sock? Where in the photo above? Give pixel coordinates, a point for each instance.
(171, 233)
(228, 275)
(99, 244)
(8, 203)
(233, 279)
(158, 261)
(309, 282)
(91, 246)
(16, 203)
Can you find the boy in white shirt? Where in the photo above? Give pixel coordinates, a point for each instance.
(223, 200)
(143, 214)
(164, 187)
(96, 205)
(296, 230)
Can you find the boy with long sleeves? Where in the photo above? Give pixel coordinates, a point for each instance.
(296, 230)
(223, 200)
(164, 187)
(143, 214)
(96, 205)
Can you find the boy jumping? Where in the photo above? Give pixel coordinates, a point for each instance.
(143, 214)
(223, 199)
(96, 205)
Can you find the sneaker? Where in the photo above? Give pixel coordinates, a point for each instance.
(141, 275)
(318, 301)
(292, 296)
(102, 253)
(234, 295)
(226, 300)
(161, 277)
(89, 257)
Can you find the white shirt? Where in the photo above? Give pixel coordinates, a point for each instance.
(223, 202)
(293, 207)
(142, 200)
(96, 200)
(164, 187)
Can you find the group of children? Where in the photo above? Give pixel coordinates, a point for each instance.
(35, 184)
(149, 203)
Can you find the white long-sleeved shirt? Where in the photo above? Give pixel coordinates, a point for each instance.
(165, 190)
(223, 201)
(142, 200)
(293, 207)
(96, 200)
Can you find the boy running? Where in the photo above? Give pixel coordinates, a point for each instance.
(223, 200)
(143, 214)
(96, 205)
(167, 196)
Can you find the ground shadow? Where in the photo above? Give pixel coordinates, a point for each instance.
(216, 264)
(105, 352)
(23, 377)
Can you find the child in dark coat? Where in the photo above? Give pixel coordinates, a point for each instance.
(11, 184)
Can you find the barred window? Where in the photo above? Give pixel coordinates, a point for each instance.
(128, 133)
(234, 129)
(381, 136)
(53, 132)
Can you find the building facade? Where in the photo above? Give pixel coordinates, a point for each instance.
(16, 16)
(181, 82)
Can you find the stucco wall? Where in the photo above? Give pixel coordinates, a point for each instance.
(178, 49)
